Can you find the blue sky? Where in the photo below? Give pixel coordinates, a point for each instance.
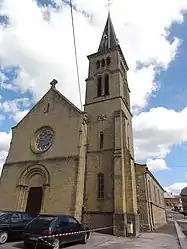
(172, 95)
(36, 46)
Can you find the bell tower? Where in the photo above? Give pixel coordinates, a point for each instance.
(110, 198)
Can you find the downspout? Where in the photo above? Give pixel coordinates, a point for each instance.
(149, 202)
(147, 194)
(85, 175)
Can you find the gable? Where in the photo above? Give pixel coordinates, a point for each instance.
(49, 102)
(53, 112)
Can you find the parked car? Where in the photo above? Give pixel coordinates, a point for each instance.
(12, 224)
(46, 225)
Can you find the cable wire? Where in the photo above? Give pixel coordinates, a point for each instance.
(79, 86)
(76, 57)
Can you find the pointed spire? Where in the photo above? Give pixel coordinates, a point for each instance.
(108, 39)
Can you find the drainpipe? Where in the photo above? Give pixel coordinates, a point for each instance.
(147, 194)
(149, 202)
(85, 174)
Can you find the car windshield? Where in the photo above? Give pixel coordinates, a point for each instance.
(42, 221)
(3, 215)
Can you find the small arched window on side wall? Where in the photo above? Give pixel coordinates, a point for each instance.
(101, 140)
(99, 86)
(106, 89)
(98, 64)
(103, 62)
(100, 186)
(108, 61)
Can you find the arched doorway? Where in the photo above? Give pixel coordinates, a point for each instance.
(32, 189)
(34, 201)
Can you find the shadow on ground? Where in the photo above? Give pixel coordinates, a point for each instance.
(20, 245)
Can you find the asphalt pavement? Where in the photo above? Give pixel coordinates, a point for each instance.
(164, 237)
(144, 241)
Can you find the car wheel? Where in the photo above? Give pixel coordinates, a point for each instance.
(3, 237)
(85, 238)
(56, 244)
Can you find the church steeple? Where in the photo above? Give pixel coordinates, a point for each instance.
(108, 39)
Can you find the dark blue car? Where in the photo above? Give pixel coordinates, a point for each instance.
(12, 224)
(50, 226)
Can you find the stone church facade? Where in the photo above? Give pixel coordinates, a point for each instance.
(63, 160)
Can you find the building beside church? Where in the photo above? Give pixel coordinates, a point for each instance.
(172, 202)
(64, 160)
(150, 198)
(183, 195)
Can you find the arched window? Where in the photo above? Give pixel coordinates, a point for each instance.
(98, 64)
(108, 61)
(99, 86)
(106, 84)
(103, 62)
(100, 184)
(101, 140)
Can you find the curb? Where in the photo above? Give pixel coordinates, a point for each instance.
(181, 236)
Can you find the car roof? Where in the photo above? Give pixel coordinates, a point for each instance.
(56, 215)
(8, 211)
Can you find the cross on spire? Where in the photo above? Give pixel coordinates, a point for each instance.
(109, 4)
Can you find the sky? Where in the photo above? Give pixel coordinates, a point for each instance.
(36, 45)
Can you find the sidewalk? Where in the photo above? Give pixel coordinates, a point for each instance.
(162, 238)
(169, 228)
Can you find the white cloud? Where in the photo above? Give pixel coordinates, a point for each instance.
(157, 131)
(176, 187)
(43, 50)
(3, 155)
(5, 138)
(13, 108)
(18, 116)
(2, 78)
(44, 55)
(157, 164)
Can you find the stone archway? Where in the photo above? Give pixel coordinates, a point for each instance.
(34, 179)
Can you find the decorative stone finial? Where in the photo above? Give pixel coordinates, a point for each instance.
(102, 117)
(53, 83)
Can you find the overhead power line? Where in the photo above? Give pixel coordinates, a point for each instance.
(76, 57)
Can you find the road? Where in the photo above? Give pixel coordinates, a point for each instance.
(174, 215)
(99, 241)
(158, 239)
(95, 241)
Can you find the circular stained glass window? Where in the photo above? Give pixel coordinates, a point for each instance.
(44, 140)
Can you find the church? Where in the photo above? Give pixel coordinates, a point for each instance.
(64, 160)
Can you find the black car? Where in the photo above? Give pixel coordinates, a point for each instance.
(12, 224)
(48, 225)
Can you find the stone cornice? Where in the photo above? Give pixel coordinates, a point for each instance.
(109, 99)
(100, 151)
(118, 113)
(42, 161)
